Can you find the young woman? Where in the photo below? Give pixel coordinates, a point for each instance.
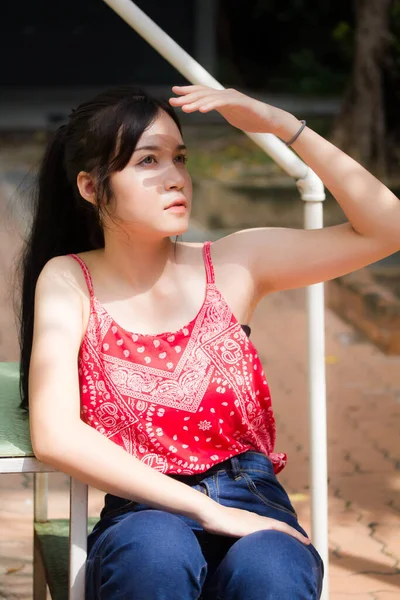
(135, 350)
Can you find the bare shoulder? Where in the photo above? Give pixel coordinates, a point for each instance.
(190, 248)
(233, 275)
(225, 251)
(57, 336)
(66, 272)
(230, 250)
(229, 259)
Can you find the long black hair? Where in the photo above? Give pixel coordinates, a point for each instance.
(99, 138)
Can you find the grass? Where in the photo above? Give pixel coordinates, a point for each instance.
(222, 152)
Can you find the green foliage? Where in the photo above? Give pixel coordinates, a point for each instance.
(302, 47)
(204, 162)
(312, 75)
(343, 34)
(295, 46)
(231, 153)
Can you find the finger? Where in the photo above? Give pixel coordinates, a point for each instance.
(207, 107)
(193, 88)
(187, 89)
(191, 106)
(188, 108)
(302, 538)
(201, 105)
(294, 533)
(187, 99)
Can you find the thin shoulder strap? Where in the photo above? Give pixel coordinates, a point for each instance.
(85, 272)
(208, 262)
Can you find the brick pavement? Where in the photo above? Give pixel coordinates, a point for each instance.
(363, 413)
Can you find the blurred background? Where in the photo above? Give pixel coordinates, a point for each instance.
(336, 64)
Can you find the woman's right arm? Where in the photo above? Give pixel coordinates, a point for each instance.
(59, 437)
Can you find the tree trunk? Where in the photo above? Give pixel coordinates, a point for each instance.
(360, 127)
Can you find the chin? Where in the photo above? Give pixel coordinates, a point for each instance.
(179, 231)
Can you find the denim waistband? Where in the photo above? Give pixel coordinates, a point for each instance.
(246, 460)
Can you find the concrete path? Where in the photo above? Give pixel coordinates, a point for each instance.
(363, 442)
(363, 454)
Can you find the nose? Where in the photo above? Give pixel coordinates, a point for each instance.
(175, 180)
(175, 184)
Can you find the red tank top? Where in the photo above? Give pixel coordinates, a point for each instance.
(179, 401)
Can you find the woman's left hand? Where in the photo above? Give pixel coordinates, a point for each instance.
(239, 110)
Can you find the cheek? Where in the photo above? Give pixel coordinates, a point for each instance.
(130, 196)
(124, 186)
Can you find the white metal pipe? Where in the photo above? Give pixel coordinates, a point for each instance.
(40, 493)
(163, 43)
(194, 72)
(78, 531)
(40, 496)
(24, 464)
(313, 219)
(312, 192)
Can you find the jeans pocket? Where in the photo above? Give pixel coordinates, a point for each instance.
(266, 487)
(201, 487)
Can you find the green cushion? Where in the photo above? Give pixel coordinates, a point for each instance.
(14, 423)
(53, 537)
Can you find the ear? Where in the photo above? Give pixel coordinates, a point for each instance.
(86, 186)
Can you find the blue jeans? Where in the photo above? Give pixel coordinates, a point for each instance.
(136, 552)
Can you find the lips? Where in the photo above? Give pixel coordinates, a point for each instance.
(177, 202)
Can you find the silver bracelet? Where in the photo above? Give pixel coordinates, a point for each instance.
(294, 138)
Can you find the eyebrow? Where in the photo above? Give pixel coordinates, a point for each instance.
(179, 147)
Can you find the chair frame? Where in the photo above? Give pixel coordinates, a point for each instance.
(78, 519)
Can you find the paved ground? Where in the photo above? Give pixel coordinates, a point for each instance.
(363, 456)
(363, 447)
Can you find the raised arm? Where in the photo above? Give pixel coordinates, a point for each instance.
(280, 258)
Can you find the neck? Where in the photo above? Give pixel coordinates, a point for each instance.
(140, 263)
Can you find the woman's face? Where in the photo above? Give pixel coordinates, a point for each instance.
(153, 179)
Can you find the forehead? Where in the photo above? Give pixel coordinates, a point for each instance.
(163, 131)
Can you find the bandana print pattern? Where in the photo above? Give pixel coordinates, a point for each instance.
(180, 402)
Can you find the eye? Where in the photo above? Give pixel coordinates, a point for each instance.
(144, 161)
(183, 158)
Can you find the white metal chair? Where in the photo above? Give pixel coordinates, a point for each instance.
(59, 545)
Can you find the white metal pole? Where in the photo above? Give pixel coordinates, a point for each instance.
(194, 72)
(78, 532)
(312, 192)
(40, 495)
(313, 219)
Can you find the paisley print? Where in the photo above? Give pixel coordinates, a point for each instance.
(179, 401)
